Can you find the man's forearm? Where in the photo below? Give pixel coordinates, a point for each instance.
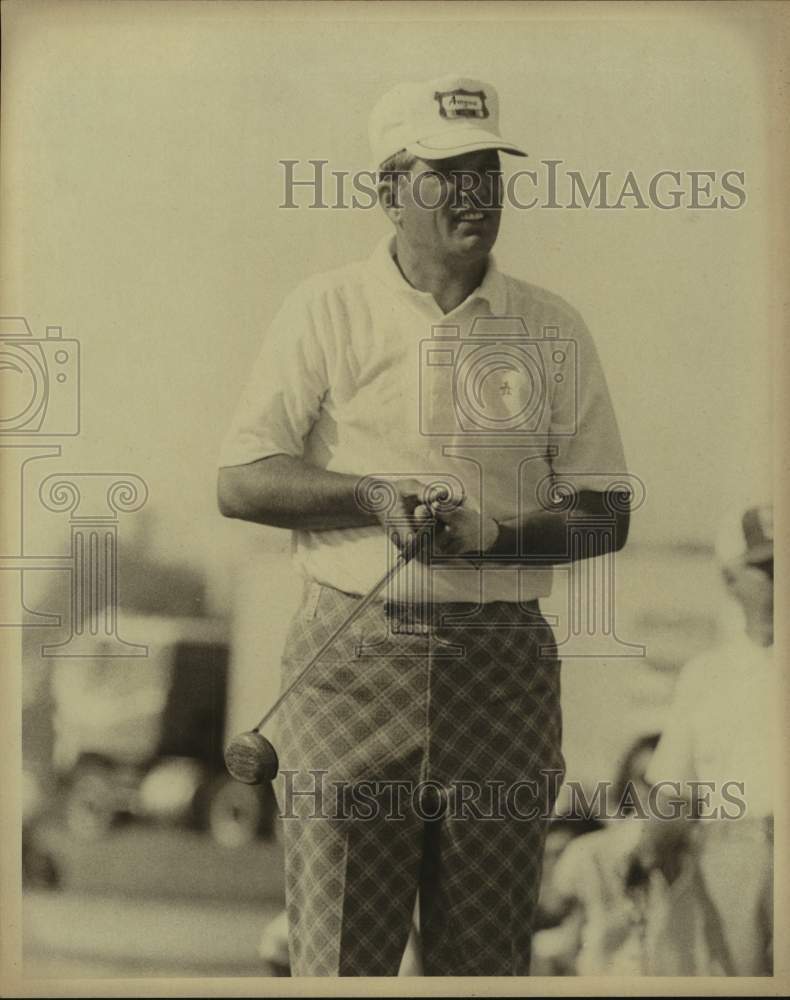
(287, 492)
(544, 534)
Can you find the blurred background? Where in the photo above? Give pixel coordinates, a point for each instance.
(141, 187)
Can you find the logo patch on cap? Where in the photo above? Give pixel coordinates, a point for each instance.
(461, 103)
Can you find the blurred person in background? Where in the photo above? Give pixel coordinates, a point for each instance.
(552, 954)
(718, 743)
(604, 926)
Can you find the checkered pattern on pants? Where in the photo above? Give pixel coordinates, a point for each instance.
(409, 711)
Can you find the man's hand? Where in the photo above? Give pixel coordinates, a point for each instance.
(400, 518)
(660, 846)
(410, 494)
(461, 531)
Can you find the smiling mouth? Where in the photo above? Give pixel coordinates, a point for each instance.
(470, 216)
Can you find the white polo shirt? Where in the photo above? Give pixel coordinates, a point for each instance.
(361, 373)
(719, 727)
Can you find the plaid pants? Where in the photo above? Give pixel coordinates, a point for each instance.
(391, 703)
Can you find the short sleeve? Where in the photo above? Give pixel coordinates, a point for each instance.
(584, 428)
(282, 397)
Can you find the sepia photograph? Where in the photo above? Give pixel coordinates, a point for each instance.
(392, 440)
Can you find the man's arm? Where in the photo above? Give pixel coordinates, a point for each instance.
(541, 534)
(663, 840)
(672, 802)
(286, 492)
(544, 533)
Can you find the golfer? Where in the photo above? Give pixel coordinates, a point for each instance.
(420, 757)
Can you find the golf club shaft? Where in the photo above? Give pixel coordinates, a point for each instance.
(404, 557)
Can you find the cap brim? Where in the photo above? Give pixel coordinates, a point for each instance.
(455, 142)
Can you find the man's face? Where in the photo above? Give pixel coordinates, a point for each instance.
(452, 208)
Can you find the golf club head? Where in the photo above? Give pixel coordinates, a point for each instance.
(251, 759)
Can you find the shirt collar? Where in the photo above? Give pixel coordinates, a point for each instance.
(491, 288)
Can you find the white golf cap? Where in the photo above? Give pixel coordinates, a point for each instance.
(438, 119)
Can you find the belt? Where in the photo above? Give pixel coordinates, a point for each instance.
(419, 619)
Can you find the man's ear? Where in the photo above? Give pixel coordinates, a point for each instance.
(389, 200)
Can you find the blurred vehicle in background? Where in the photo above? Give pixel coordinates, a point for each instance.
(143, 738)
